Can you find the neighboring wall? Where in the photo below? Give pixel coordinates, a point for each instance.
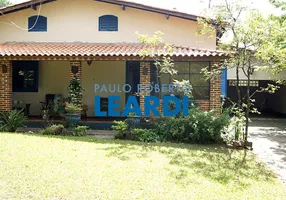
(102, 73)
(53, 79)
(257, 75)
(77, 20)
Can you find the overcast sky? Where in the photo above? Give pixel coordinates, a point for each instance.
(194, 6)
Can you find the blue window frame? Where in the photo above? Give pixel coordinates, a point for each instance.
(25, 76)
(37, 24)
(108, 23)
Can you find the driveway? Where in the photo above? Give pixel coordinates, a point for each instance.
(269, 143)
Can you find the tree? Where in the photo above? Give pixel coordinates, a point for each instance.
(161, 54)
(244, 34)
(4, 3)
(273, 51)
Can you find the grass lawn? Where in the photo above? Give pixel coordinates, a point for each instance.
(42, 167)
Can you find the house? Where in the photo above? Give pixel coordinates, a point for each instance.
(43, 43)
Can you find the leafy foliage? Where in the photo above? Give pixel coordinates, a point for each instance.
(75, 92)
(53, 130)
(121, 127)
(199, 127)
(250, 39)
(80, 131)
(59, 103)
(11, 120)
(145, 135)
(72, 108)
(4, 3)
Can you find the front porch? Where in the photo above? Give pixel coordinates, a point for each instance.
(24, 86)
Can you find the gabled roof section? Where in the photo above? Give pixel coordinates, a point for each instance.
(79, 49)
(124, 4)
(140, 6)
(24, 5)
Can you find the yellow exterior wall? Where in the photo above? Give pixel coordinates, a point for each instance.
(102, 72)
(77, 20)
(53, 79)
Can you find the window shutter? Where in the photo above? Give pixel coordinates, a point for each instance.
(108, 23)
(37, 24)
(223, 82)
(113, 24)
(103, 25)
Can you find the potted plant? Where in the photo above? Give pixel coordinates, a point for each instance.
(75, 92)
(132, 119)
(73, 113)
(59, 105)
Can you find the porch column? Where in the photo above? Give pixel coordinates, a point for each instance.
(215, 92)
(5, 85)
(144, 80)
(79, 66)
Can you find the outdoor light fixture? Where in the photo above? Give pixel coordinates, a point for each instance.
(4, 69)
(89, 62)
(74, 69)
(145, 70)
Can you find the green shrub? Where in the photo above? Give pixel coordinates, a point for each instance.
(121, 128)
(145, 135)
(199, 127)
(53, 130)
(11, 120)
(80, 131)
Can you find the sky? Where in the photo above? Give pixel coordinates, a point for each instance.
(195, 6)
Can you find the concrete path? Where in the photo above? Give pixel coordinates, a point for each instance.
(269, 143)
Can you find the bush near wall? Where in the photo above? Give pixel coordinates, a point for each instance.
(202, 127)
(199, 127)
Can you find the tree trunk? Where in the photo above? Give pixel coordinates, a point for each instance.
(248, 106)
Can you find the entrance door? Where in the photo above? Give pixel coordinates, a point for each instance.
(133, 77)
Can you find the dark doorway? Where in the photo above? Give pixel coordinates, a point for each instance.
(133, 77)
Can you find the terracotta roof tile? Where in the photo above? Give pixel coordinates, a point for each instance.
(95, 49)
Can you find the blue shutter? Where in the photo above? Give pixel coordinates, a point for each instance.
(223, 82)
(108, 23)
(37, 24)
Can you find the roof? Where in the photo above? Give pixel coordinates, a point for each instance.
(140, 6)
(24, 5)
(15, 49)
(122, 3)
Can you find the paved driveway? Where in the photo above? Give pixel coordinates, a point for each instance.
(269, 143)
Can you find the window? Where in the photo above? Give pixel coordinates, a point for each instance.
(108, 23)
(37, 24)
(25, 76)
(244, 83)
(186, 71)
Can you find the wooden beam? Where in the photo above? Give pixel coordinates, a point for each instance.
(34, 7)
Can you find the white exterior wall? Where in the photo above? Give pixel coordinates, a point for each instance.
(257, 75)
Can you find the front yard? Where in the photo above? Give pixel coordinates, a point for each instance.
(42, 167)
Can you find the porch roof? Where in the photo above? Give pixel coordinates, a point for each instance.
(14, 49)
